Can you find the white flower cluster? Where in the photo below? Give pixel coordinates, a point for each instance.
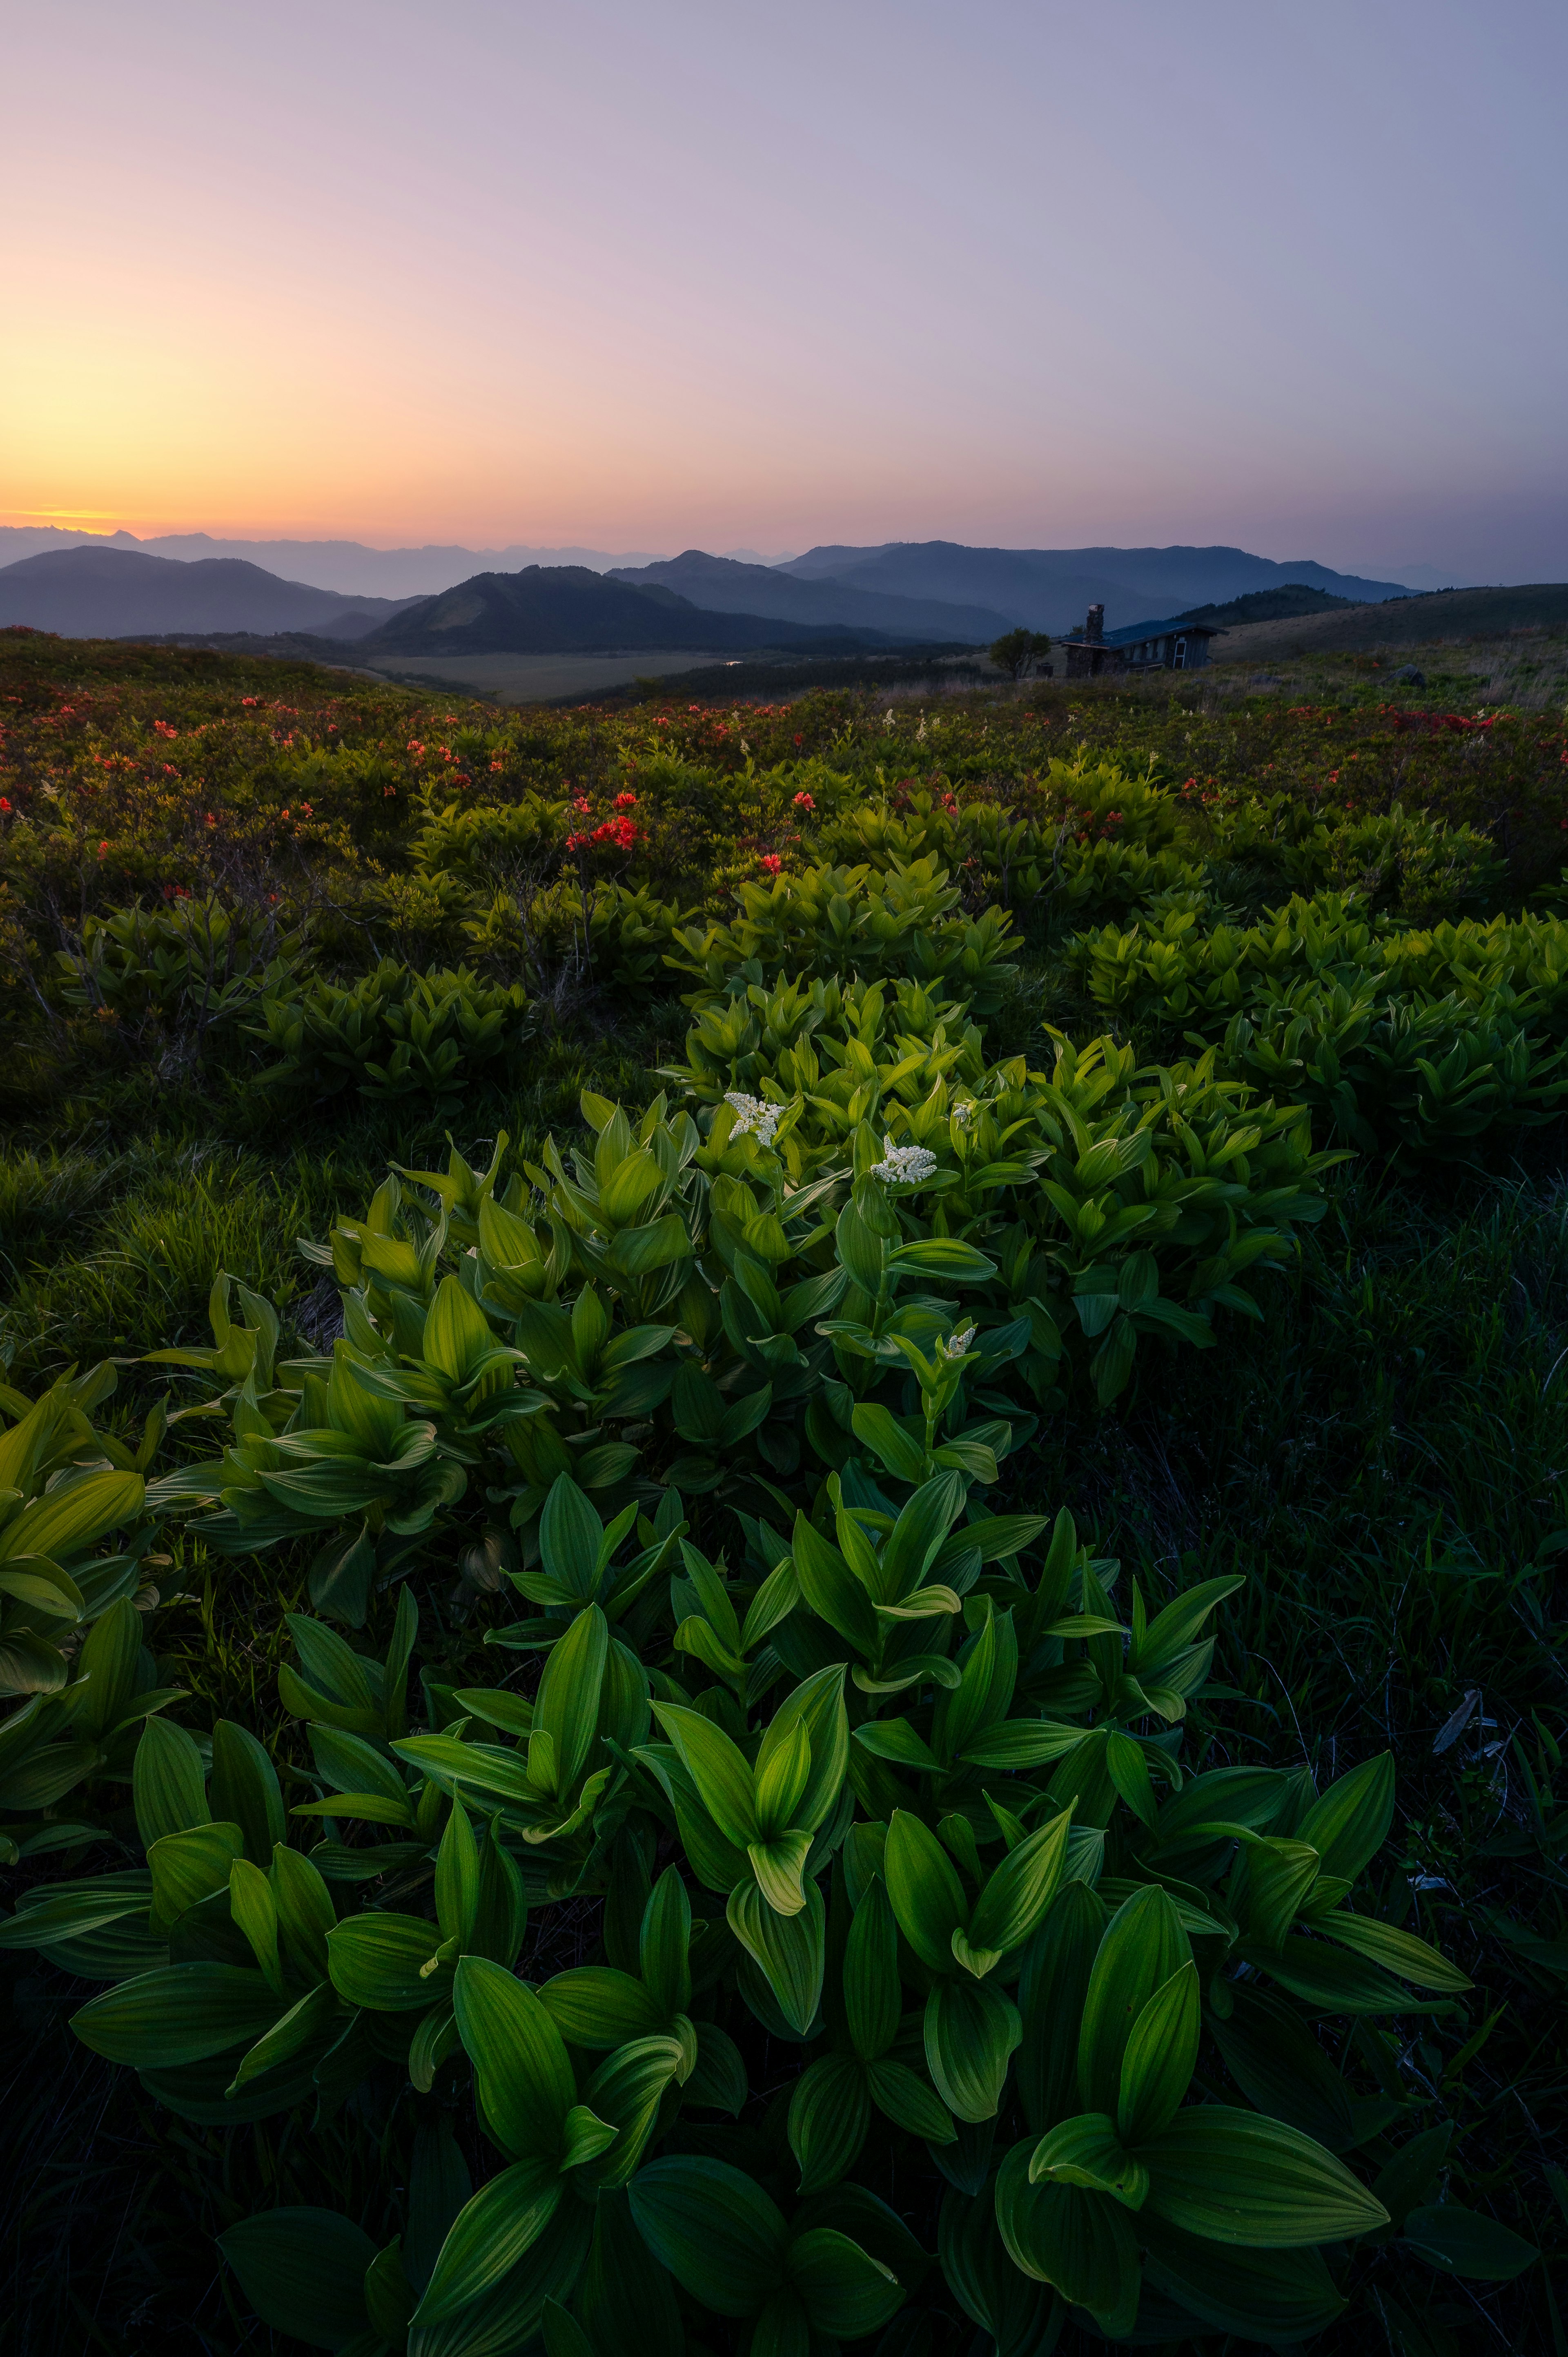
(956, 1345)
(963, 1111)
(753, 1113)
(903, 1166)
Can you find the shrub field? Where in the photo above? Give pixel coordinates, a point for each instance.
(781, 1489)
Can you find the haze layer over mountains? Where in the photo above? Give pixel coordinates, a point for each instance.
(903, 593)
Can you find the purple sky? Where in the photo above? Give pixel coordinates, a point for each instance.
(1036, 275)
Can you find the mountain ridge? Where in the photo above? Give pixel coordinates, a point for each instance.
(568, 609)
(723, 586)
(119, 593)
(1052, 589)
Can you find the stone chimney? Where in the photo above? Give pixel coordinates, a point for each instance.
(1094, 628)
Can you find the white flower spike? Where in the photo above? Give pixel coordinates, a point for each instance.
(753, 1115)
(903, 1166)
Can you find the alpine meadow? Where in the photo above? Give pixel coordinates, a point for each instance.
(780, 1492)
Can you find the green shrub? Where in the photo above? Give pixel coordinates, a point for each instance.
(190, 968)
(845, 921)
(1407, 1041)
(392, 1035)
(970, 1882)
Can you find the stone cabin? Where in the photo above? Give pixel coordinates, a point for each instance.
(1147, 646)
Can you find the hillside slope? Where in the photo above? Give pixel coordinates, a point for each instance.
(1447, 613)
(720, 586)
(118, 593)
(1052, 588)
(566, 609)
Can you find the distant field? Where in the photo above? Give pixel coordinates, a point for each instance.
(539, 679)
(1403, 622)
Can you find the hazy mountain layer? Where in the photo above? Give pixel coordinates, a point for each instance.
(566, 609)
(1053, 588)
(722, 587)
(121, 593)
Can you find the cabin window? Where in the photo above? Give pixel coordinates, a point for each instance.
(1179, 661)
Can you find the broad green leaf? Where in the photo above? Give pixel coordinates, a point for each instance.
(885, 1437)
(833, 1591)
(1280, 2067)
(379, 1960)
(714, 2229)
(595, 2006)
(1143, 1946)
(303, 2271)
(923, 1888)
(522, 2071)
(627, 2091)
(1087, 2151)
(1160, 2056)
(458, 1334)
(313, 2020)
(1276, 2297)
(664, 1942)
(570, 1536)
(971, 2032)
(817, 1705)
(1235, 2176)
(457, 1878)
(1461, 2242)
(167, 1783)
(909, 2100)
(189, 1866)
(505, 2320)
(305, 1913)
(70, 1518)
(1400, 1952)
(253, 1908)
(872, 1998)
(790, 1950)
(1082, 2243)
(782, 1781)
(779, 1866)
(244, 1789)
(182, 2013)
(844, 2291)
(1349, 1825)
(1017, 1893)
(1051, 1992)
(830, 2111)
(718, 1769)
(567, 1708)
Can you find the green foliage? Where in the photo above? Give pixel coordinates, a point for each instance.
(841, 920)
(1396, 1040)
(708, 1773)
(392, 1035)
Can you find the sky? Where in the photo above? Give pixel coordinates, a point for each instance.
(1023, 273)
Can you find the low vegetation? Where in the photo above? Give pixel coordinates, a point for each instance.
(784, 1484)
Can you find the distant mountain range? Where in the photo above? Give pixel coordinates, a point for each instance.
(1050, 588)
(1053, 588)
(346, 565)
(568, 609)
(915, 593)
(119, 593)
(723, 586)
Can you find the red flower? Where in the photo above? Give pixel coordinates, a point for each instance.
(770, 863)
(5, 804)
(102, 849)
(625, 801)
(803, 802)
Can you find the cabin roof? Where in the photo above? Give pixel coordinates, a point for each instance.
(1137, 631)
